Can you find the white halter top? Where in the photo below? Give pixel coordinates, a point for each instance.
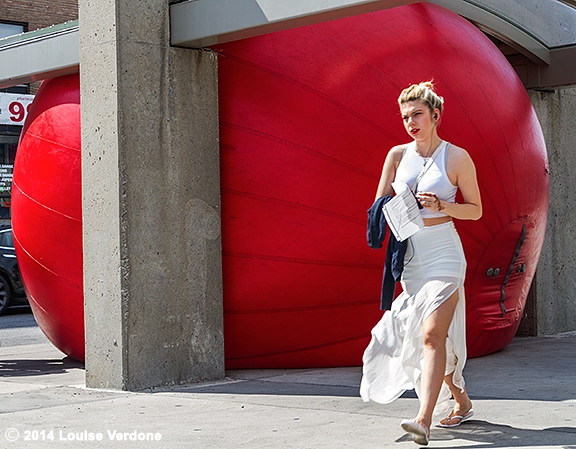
(435, 179)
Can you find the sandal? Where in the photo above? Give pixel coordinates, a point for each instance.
(420, 434)
(447, 422)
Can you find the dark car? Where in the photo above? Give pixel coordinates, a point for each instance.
(11, 288)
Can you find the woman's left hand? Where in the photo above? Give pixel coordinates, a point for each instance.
(430, 201)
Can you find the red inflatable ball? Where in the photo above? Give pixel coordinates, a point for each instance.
(47, 213)
(307, 117)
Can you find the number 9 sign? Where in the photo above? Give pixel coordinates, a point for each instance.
(18, 111)
(14, 108)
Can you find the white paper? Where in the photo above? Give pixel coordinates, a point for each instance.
(402, 212)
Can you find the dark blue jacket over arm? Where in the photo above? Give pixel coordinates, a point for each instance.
(395, 252)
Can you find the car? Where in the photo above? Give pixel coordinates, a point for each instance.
(11, 287)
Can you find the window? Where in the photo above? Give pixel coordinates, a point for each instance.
(10, 29)
(6, 240)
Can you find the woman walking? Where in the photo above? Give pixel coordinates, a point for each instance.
(421, 342)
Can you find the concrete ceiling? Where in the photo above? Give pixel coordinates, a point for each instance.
(537, 36)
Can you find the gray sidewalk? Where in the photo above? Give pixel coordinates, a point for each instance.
(524, 397)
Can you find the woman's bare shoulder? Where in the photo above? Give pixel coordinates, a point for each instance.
(396, 152)
(459, 163)
(458, 154)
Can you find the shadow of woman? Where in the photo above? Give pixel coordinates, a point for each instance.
(483, 434)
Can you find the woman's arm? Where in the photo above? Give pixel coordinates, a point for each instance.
(462, 173)
(462, 170)
(389, 171)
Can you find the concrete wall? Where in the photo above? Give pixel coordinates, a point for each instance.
(554, 288)
(151, 193)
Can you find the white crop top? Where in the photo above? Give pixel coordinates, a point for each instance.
(435, 179)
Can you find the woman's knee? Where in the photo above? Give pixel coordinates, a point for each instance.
(435, 327)
(434, 337)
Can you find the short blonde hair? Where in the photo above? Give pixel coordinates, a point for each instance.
(424, 92)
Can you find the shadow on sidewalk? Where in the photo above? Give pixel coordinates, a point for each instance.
(24, 368)
(260, 387)
(483, 434)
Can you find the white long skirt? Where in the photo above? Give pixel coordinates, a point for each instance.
(434, 268)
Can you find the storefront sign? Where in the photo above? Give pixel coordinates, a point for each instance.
(6, 178)
(14, 108)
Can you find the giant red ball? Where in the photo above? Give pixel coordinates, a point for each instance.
(307, 117)
(47, 213)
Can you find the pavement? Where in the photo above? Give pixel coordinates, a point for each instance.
(524, 397)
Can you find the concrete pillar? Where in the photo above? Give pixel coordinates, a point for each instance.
(555, 281)
(151, 200)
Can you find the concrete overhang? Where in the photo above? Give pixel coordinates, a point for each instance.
(54, 51)
(501, 28)
(201, 23)
(569, 3)
(39, 54)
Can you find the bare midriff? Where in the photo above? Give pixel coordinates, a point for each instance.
(436, 221)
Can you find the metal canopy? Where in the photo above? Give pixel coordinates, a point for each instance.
(537, 36)
(45, 53)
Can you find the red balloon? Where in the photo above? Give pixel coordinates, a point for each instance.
(307, 117)
(47, 213)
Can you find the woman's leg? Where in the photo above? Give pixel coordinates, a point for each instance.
(462, 405)
(435, 332)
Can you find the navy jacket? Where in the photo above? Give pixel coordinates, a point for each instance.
(395, 252)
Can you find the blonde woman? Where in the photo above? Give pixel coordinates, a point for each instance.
(421, 342)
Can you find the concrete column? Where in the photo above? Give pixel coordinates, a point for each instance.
(151, 200)
(555, 282)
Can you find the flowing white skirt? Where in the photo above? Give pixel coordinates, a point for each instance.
(434, 268)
